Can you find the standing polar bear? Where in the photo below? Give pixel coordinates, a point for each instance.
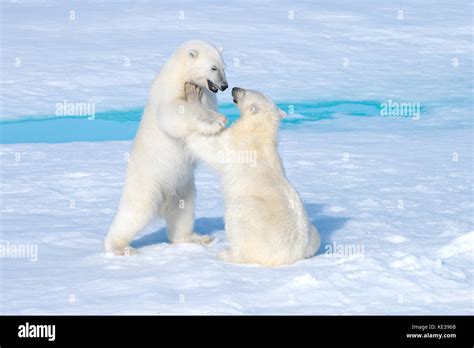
(160, 172)
(265, 219)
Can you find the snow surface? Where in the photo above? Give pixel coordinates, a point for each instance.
(84, 60)
(397, 189)
(416, 257)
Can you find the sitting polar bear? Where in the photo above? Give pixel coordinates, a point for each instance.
(265, 219)
(160, 179)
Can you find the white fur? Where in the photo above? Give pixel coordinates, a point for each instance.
(265, 218)
(159, 179)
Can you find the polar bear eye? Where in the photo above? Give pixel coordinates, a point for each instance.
(214, 68)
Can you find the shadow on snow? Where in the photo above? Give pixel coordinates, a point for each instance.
(325, 224)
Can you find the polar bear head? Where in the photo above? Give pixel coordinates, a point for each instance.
(203, 65)
(256, 108)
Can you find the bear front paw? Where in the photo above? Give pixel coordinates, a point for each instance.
(192, 92)
(215, 124)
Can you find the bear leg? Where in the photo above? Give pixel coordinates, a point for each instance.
(127, 224)
(180, 220)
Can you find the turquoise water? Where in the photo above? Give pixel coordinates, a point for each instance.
(122, 125)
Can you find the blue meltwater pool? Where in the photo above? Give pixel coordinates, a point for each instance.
(122, 125)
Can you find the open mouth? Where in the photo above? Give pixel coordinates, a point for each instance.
(212, 87)
(235, 90)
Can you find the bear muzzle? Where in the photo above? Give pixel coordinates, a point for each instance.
(224, 86)
(212, 86)
(236, 92)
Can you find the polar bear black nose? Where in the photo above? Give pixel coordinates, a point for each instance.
(236, 90)
(224, 86)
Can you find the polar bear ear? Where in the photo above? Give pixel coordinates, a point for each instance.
(193, 53)
(281, 113)
(221, 49)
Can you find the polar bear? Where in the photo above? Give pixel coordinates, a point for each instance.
(265, 219)
(160, 172)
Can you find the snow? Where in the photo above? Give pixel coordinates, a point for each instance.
(391, 196)
(109, 53)
(416, 257)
